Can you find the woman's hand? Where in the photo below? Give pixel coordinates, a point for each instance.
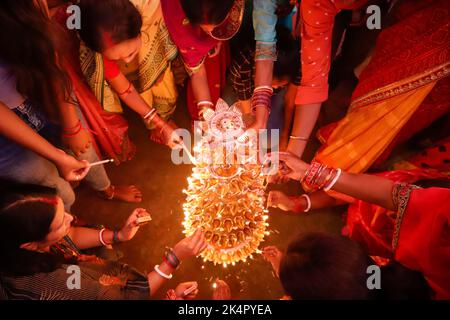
(78, 143)
(289, 167)
(221, 291)
(70, 168)
(180, 291)
(131, 226)
(274, 256)
(190, 246)
(171, 137)
(278, 199)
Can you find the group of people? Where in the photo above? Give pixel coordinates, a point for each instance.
(62, 92)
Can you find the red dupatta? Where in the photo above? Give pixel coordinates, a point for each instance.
(423, 241)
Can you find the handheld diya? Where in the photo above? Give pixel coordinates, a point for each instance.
(225, 195)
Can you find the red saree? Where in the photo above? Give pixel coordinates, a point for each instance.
(423, 240)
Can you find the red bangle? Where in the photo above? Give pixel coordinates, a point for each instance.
(128, 91)
(71, 135)
(168, 262)
(74, 128)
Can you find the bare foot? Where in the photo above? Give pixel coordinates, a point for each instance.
(123, 193)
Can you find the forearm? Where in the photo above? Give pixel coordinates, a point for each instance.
(12, 127)
(86, 238)
(289, 108)
(304, 122)
(200, 87)
(155, 281)
(368, 188)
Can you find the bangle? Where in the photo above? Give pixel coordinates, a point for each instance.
(333, 182)
(74, 128)
(100, 237)
(116, 236)
(308, 202)
(209, 103)
(263, 88)
(299, 138)
(128, 91)
(162, 274)
(172, 259)
(153, 110)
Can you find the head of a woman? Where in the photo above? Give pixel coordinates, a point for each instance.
(323, 266)
(207, 14)
(30, 45)
(112, 28)
(32, 218)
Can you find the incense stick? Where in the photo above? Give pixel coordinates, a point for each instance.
(100, 162)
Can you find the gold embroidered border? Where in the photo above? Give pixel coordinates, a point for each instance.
(403, 86)
(400, 196)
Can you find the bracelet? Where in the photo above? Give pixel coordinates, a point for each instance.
(205, 102)
(172, 259)
(100, 237)
(116, 236)
(128, 91)
(308, 202)
(206, 113)
(162, 274)
(153, 110)
(74, 128)
(263, 88)
(299, 138)
(333, 182)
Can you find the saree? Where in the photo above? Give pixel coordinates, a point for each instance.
(150, 72)
(417, 235)
(109, 131)
(401, 91)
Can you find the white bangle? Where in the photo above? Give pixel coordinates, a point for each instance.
(333, 182)
(259, 88)
(308, 202)
(100, 237)
(149, 114)
(162, 274)
(205, 102)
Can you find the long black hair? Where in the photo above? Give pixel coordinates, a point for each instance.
(29, 49)
(333, 267)
(26, 214)
(117, 19)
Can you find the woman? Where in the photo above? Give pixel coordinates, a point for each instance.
(400, 92)
(412, 231)
(117, 31)
(319, 266)
(199, 28)
(36, 258)
(28, 88)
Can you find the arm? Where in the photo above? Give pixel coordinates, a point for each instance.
(289, 108)
(316, 33)
(367, 188)
(264, 23)
(16, 130)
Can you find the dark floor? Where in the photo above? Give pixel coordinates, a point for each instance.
(162, 183)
